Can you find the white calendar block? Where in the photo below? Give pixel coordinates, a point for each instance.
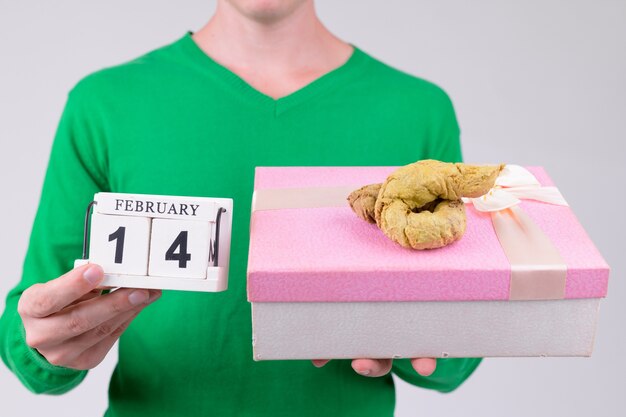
(120, 244)
(179, 248)
(160, 241)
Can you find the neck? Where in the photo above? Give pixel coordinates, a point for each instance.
(275, 56)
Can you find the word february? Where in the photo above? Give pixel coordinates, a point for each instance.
(155, 207)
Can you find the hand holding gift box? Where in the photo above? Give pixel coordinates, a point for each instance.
(423, 218)
(325, 284)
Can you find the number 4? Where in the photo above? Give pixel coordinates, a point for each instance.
(182, 256)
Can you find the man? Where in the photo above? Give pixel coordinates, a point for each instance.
(264, 83)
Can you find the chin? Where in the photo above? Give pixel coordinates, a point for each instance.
(267, 11)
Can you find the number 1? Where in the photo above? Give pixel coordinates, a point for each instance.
(119, 245)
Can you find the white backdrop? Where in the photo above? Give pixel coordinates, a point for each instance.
(533, 82)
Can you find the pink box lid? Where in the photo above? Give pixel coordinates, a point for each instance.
(329, 254)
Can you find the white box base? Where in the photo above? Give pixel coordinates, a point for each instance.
(440, 329)
(216, 280)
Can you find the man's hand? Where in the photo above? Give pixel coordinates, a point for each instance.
(380, 367)
(71, 323)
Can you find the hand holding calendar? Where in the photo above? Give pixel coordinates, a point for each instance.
(71, 323)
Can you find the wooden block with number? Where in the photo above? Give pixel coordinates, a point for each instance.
(179, 248)
(120, 244)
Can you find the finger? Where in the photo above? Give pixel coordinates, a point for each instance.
(42, 300)
(88, 339)
(372, 367)
(91, 294)
(318, 363)
(424, 366)
(80, 318)
(91, 357)
(66, 353)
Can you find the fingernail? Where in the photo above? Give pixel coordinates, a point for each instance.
(363, 371)
(93, 275)
(154, 296)
(138, 297)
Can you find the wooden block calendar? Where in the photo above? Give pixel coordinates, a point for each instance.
(155, 241)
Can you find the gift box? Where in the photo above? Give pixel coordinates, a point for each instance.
(524, 280)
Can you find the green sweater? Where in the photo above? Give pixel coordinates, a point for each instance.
(175, 122)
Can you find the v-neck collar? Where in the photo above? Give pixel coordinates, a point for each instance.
(331, 79)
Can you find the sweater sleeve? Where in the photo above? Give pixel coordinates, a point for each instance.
(449, 374)
(445, 145)
(76, 170)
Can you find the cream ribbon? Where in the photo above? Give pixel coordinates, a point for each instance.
(512, 185)
(538, 272)
(296, 197)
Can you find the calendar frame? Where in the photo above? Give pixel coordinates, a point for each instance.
(215, 210)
